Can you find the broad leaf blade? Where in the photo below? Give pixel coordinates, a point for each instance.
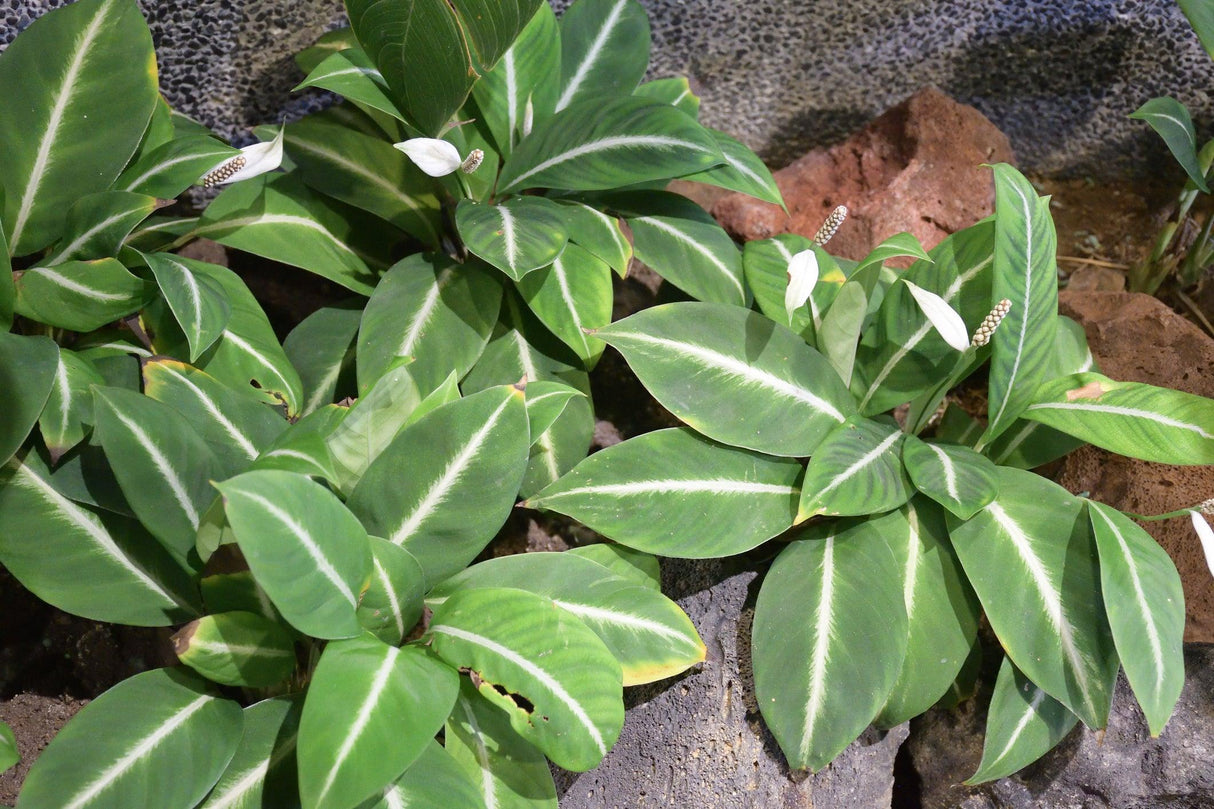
(371, 711)
(98, 223)
(173, 167)
(157, 739)
(604, 143)
(1145, 607)
(604, 49)
(321, 348)
(1023, 723)
(648, 634)
(517, 236)
(731, 374)
(29, 371)
(197, 302)
(350, 74)
(599, 233)
(371, 424)
(80, 86)
(434, 781)
(675, 493)
(856, 470)
(819, 686)
(1025, 273)
(392, 602)
(466, 460)
(263, 767)
(956, 477)
(742, 171)
(1129, 418)
(527, 74)
(1052, 624)
(572, 297)
(79, 295)
(1171, 120)
(568, 684)
(307, 551)
(1201, 17)
(237, 648)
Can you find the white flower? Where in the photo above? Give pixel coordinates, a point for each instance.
(802, 276)
(1206, 534)
(252, 160)
(942, 316)
(433, 156)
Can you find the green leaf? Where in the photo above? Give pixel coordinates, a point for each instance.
(79, 86)
(733, 375)
(742, 170)
(371, 710)
(1201, 17)
(29, 368)
(430, 51)
(527, 74)
(605, 143)
(683, 244)
(198, 302)
(572, 297)
(1129, 418)
(604, 49)
(435, 781)
(636, 566)
(79, 295)
(546, 401)
(942, 612)
(335, 41)
(1171, 120)
(674, 493)
(1023, 723)
(350, 73)
(840, 329)
(106, 567)
(516, 236)
(1024, 273)
(237, 648)
(301, 448)
(818, 686)
(901, 355)
(432, 309)
(277, 217)
(600, 234)
(235, 426)
(674, 90)
(856, 470)
(262, 773)
(392, 603)
(8, 748)
(98, 223)
(900, 245)
(8, 290)
(68, 415)
(465, 462)
(646, 632)
(372, 422)
(248, 355)
(173, 167)
(561, 685)
(511, 772)
(1051, 623)
(307, 551)
(321, 348)
(956, 477)
(159, 738)
(765, 265)
(1145, 608)
(365, 172)
(163, 466)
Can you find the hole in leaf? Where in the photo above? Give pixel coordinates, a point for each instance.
(518, 699)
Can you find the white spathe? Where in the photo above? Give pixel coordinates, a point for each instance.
(258, 159)
(802, 276)
(433, 156)
(1206, 534)
(942, 316)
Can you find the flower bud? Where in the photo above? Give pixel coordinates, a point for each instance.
(987, 327)
(830, 226)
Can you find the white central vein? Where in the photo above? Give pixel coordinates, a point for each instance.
(194, 293)
(1029, 712)
(508, 236)
(950, 472)
(1024, 321)
(820, 656)
(1129, 412)
(309, 545)
(542, 677)
(712, 486)
(234, 794)
(592, 55)
(162, 464)
(482, 756)
(864, 460)
(693, 245)
(610, 143)
(75, 286)
(225, 424)
(378, 683)
(439, 489)
(42, 160)
(562, 281)
(601, 615)
(276, 219)
(422, 316)
(393, 601)
(164, 165)
(75, 244)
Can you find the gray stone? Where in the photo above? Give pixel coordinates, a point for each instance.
(1057, 76)
(1121, 768)
(698, 741)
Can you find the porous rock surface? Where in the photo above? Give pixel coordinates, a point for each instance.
(1120, 768)
(1058, 76)
(1136, 338)
(916, 168)
(698, 740)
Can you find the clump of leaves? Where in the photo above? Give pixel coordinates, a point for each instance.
(188, 469)
(906, 526)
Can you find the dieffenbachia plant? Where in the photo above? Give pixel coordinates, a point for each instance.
(906, 527)
(168, 462)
